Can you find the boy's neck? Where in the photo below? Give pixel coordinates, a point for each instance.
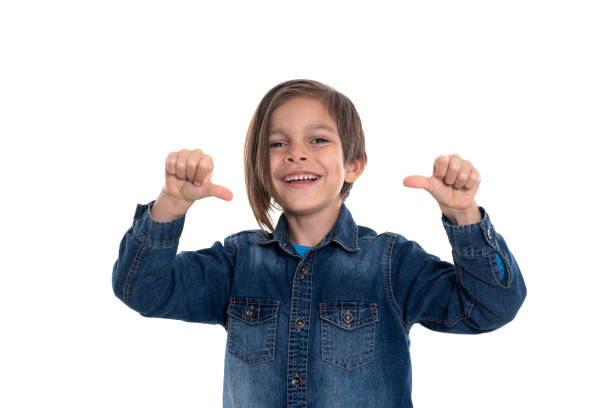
(310, 229)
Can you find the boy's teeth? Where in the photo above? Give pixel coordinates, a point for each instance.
(302, 181)
(300, 178)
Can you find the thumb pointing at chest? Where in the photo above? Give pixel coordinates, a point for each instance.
(419, 182)
(434, 186)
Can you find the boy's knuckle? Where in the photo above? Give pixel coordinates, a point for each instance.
(204, 168)
(208, 163)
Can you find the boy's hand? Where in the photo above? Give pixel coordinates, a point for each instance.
(188, 177)
(453, 184)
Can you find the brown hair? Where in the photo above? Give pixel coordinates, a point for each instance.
(256, 153)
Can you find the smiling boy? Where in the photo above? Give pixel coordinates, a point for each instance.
(317, 309)
(304, 143)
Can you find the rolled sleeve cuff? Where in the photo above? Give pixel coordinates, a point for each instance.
(472, 239)
(153, 232)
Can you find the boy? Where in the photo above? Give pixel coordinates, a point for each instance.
(318, 309)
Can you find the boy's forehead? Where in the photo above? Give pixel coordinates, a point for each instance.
(303, 113)
(308, 127)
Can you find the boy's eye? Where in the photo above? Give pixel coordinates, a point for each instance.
(317, 140)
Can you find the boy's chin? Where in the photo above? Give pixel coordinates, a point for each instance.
(304, 208)
(298, 208)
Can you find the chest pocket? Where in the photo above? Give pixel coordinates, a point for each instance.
(251, 328)
(348, 333)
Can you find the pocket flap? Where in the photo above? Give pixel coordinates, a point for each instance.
(252, 310)
(348, 315)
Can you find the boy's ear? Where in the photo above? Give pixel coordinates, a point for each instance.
(353, 170)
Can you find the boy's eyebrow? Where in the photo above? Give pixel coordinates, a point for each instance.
(309, 127)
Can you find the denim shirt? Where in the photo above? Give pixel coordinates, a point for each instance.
(329, 329)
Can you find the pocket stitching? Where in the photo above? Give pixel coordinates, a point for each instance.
(269, 351)
(326, 321)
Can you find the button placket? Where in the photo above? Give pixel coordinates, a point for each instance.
(299, 329)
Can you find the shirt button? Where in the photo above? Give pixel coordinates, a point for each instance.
(296, 380)
(302, 270)
(489, 234)
(300, 323)
(348, 317)
(251, 312)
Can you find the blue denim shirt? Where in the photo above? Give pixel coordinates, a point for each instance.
(329, 329)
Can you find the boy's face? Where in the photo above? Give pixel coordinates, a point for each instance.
(304, 141)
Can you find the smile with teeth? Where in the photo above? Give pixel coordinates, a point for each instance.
(302, 178)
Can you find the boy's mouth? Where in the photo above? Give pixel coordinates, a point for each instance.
(300, 177)
(301, 180)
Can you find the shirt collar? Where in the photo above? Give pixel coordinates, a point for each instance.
(344, 232)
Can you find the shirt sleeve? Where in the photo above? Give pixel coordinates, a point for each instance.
(469, 296)
(500, 264)
(149, 276)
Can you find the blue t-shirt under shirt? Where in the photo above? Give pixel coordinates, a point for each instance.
(301, 249)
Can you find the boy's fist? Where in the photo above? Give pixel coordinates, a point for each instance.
(453, 184)
(188, 177)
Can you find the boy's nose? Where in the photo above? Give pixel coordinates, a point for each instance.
(298, 157)
(296, 154)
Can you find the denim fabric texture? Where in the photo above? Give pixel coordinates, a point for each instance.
(329, 329)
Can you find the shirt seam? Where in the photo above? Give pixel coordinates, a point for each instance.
(132, 271)
(387, 278)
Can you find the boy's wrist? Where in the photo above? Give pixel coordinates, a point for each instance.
(167, 208)
(463, 217)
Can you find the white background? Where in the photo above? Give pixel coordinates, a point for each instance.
(94, 95)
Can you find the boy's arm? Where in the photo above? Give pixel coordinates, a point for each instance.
(152, 279)
(471, 295)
